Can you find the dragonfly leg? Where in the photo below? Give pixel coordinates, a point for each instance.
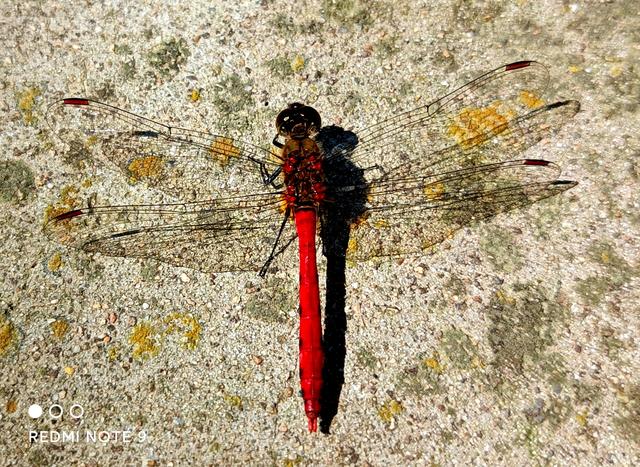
(274, 253)
(268, 178)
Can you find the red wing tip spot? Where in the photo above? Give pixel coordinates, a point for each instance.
(75, 101)
(68, 215)
(517, 65)
(536, 162)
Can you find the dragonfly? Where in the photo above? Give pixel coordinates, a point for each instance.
(393, 189)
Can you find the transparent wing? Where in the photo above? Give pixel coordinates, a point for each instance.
(185, 163)
(409, 216)
(226, 234)
(421, 200)
(468, 116)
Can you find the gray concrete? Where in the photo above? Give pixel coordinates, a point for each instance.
(515, 342)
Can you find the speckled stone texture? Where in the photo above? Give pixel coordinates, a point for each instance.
(514, 342)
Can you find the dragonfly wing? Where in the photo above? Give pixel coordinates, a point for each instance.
(467, 116)
(425, 198)
(229, 234)
(410, 215)
(186, 163)
(517, 136)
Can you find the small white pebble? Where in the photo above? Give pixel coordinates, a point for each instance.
(145, 306)
(184, 278)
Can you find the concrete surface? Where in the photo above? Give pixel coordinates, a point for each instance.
(516, 342)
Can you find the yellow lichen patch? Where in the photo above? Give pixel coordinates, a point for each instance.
(581, 418)
(233, 401)
(195, 95)
(113, 353)
(433, 363)
(574, 69)
(473, 126)
(26, 102)
(91, 141)
(86, 183)
(434, 191)
(476, 362)
(69, 370)
(143, 340)
(187, 325)
(293, 462)
(389, 410)
(352, 246)
(530, 100)
(615, 70)
(381, 224)
(11, 406)
(223, 150)
(297, 64)
(68, 196)
(55, 262)
(59, 328)
(145, 168)
(8, 336)
(504, 298)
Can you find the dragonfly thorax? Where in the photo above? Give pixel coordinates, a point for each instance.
(303, 173)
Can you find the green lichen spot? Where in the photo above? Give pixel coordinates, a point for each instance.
(143, 339)
(234, 95)
(523, 326)
(553, 368)
(388, 411)
(122, 49)
(264, 306)
(284, 66)
(59, 328)
(500, 247)
(386, 47)
(150, 270)
(8, 336)
(460, 350)
(423, 379)
(169, 56)
(366, 358)
(613, 346)
(17, 182)
(628, 414)
(26, 103)
(348, 12)
(617, 272)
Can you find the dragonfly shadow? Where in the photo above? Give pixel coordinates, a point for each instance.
(346, 198)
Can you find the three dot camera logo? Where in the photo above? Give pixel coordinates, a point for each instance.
(76, 412)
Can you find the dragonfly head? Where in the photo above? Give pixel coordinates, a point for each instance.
(298, 121)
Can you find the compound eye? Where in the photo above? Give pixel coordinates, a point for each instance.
(283, 121)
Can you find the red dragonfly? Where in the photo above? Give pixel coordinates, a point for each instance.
(395, 188)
